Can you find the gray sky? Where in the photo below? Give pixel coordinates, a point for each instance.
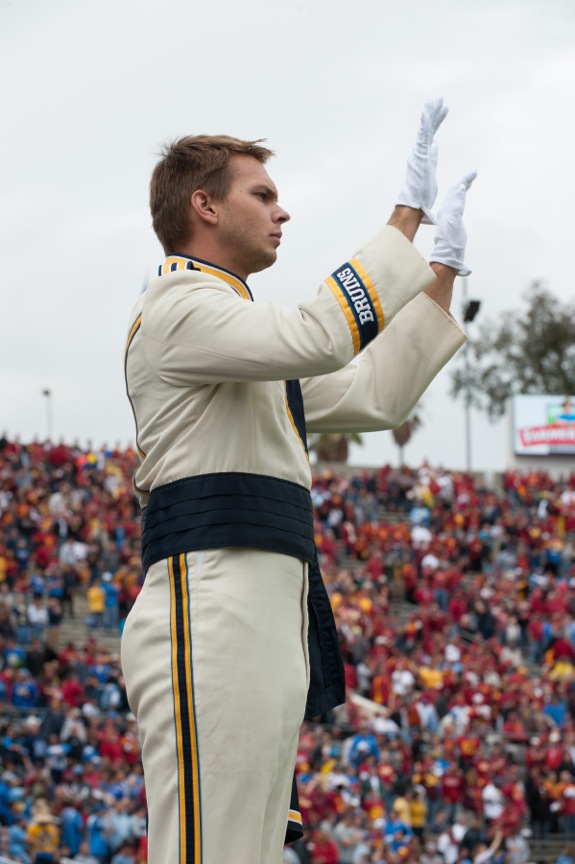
(91, 90)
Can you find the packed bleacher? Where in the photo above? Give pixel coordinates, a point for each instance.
(455, 607)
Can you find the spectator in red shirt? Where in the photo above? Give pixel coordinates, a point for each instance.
(514, 729)
(452, 784)
(323, 849)
(73, 693)
(110, 745)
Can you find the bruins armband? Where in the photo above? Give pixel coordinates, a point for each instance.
(358, 299)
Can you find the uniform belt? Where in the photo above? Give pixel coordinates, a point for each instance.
(211, 511)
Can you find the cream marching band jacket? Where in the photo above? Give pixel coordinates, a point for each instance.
(223, 388)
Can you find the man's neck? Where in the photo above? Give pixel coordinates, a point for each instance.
(211, 253)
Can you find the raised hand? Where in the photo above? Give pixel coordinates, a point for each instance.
(451, 236)
(420, 186)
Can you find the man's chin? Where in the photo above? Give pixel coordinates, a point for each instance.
(264, 262)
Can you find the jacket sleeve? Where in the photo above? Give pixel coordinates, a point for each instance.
(381, 388)
(195, 329)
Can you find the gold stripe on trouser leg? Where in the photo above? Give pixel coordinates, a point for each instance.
(184, 715)
(157, 648)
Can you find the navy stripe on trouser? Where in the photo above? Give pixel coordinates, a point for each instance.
(189, 802)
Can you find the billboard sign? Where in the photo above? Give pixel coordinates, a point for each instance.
(543, 425)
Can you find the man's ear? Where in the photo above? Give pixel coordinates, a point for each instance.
(203, 207)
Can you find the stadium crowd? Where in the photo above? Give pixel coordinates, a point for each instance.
(455, 607)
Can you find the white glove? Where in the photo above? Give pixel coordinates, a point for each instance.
(420, 186)
(451, 236)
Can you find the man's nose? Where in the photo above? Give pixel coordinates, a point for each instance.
(282, 216)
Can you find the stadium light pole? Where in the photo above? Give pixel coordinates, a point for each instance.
(47, 393)
(470, 310)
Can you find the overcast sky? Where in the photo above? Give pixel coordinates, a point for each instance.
(91, 90)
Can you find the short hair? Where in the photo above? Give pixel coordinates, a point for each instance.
(187, 164)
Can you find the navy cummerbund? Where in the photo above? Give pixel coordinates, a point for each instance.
(228, 509)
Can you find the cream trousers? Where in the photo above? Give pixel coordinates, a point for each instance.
(214, 654)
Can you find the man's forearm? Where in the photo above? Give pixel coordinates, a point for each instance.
(442, 289)
(407, 220)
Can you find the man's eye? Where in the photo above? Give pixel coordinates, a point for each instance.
(262, 195)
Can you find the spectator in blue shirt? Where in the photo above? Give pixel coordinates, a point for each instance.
(363, 744)
(72, 828)
(97, 842)
(18, 841)
(396, 832)
(25, 691)
(111, 613)
(556, 710)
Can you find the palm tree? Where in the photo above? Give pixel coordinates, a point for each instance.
(403, 433)
(333, 446)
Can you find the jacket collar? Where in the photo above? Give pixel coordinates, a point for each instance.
(184, 262)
